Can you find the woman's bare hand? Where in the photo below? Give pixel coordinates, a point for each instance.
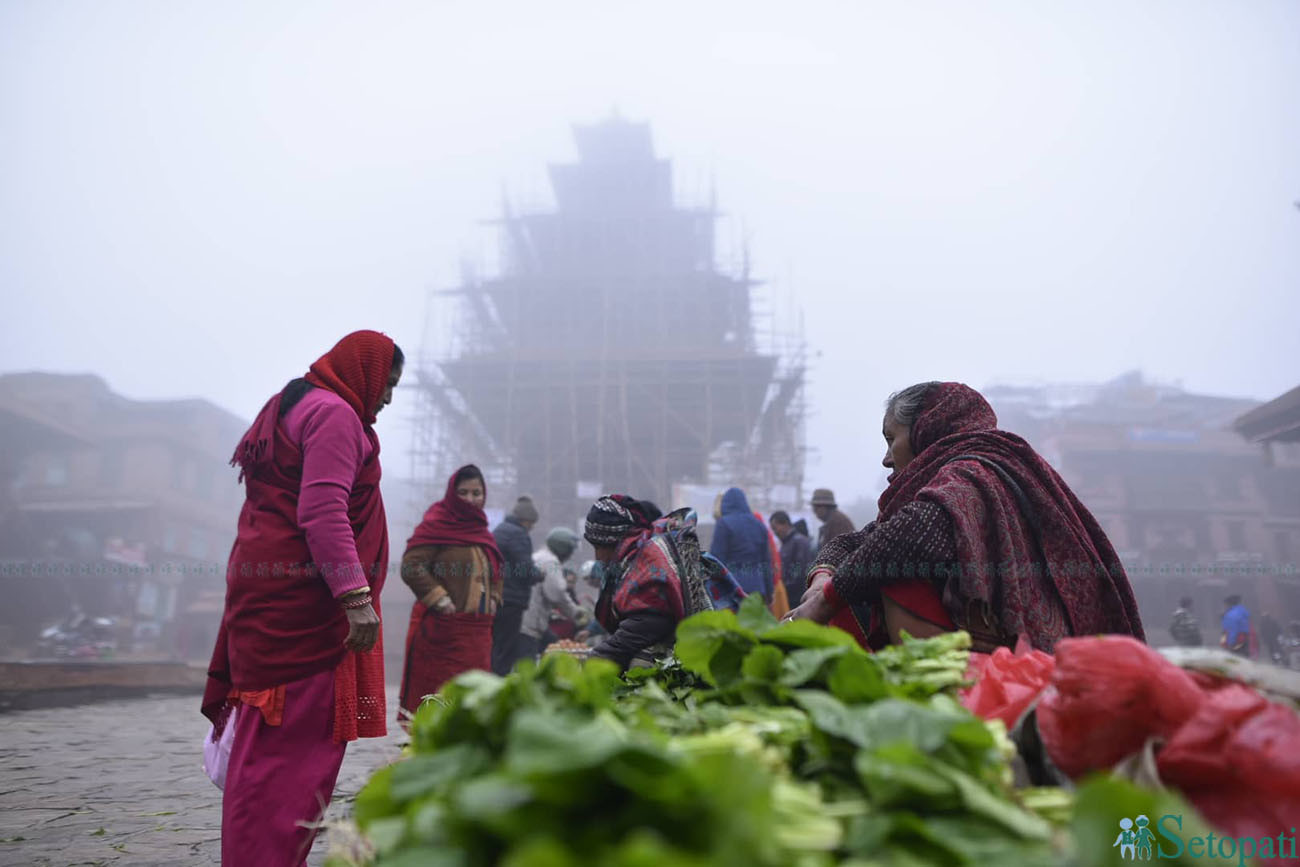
(819, 579)
(816, 608)
(363, 628)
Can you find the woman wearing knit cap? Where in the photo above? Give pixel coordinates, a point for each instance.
(652, 575)
(454, 567)
(298, 665)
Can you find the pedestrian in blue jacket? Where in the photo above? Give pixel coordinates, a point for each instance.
(740, 542)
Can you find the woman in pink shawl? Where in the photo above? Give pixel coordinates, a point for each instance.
(454, 568)
(298, 667)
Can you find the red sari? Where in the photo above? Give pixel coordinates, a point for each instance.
(440, 646)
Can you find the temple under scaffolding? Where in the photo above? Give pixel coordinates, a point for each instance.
(612, 353)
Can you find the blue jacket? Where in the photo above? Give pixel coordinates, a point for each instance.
(740, 542)
(1236, 624)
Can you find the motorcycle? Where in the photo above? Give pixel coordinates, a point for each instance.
(78, 636)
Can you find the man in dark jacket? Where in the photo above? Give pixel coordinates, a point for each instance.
(517, 551)
(1184, 627)
(834, 522)
(796, 556)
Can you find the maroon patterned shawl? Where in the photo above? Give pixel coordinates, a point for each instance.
(1087, 591)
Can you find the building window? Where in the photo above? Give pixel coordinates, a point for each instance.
(169, 539)
(203, 481)
(56, 471)
(1228, 486)
(184, 474)
(111, 464)
(1236, 536)
(198, 544)
(1285, 553)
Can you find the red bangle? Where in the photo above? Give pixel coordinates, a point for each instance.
(358, 602)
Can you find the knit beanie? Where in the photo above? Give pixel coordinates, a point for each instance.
(524, 509)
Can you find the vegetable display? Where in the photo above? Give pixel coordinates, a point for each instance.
(758, 743)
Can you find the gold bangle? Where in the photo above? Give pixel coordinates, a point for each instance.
(356, 592)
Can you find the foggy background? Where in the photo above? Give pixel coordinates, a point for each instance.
(198, 200)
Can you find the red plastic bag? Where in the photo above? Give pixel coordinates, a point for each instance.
(1238, 761)
(1007, 683)
(1108, 695)
(1237, 739)
(1196, 754)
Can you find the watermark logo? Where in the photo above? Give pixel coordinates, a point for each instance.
(1135, 839)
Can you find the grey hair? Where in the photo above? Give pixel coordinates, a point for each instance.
(903, 406)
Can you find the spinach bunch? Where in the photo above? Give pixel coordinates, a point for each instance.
(757, 743)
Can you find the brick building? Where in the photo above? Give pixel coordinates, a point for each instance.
(1193, 507)
(116, 507)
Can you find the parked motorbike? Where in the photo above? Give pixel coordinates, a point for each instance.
(78, 636)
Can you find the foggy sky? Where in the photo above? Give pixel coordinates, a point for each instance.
(198, 199)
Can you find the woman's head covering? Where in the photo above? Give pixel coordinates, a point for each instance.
(613, 518)
(956, 445)
(453, 521)
(950, 408)
(952, 416)
(734, 502)
(357, 370)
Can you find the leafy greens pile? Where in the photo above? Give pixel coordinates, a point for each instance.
(757, 744)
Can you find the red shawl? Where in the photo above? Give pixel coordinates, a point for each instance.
(281, 623)
(357, 370)
(452, 521)
(1087, 592)
(441, 646)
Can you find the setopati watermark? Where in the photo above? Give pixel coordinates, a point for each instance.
(1138, 842)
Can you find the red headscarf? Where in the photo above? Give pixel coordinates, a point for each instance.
(357, 370)
(1088, 585)
(452, 521)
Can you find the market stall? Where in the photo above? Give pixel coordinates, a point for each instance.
(785, 744)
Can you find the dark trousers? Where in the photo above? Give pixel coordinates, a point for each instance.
(505, 637)
(528, 647)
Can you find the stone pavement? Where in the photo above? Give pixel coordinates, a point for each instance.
(122, 782)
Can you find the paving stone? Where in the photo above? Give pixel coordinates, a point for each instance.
(122, 782)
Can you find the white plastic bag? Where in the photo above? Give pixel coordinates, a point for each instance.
(216, 753)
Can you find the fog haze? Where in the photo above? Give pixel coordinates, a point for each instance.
(198, 199)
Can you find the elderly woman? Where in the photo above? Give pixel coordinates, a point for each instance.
(975, 531)
(298, 668)
(652, 575)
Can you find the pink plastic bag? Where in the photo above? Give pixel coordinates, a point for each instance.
(216, 753)
(1007, 683)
